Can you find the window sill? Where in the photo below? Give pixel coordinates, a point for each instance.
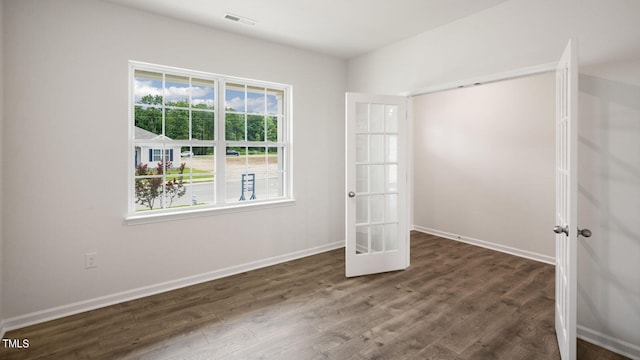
(188, 214)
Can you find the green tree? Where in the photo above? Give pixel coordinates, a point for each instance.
(202, 125)
(151, 100)
(176, 124)
(147, 116)
(234, 126)
(272, 128)
(255, 128)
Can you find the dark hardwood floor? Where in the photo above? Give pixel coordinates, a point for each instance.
(456, 301)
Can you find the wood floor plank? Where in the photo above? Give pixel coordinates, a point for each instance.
(456, 301)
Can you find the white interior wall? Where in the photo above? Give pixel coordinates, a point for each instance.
(484, 164)
(609, 201)
(524, 33)
(66, 150)
(512, 35)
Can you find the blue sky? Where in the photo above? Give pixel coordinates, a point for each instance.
(174, 91)
(253, 101)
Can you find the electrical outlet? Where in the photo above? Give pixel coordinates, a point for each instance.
(90, 260)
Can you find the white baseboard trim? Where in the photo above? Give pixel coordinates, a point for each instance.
(487, 244)
(610, 343)
(103, 301)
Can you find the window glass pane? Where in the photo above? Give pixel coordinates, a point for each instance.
(362, 209)
(376, 208)
(376, 148)
(236, 165)
(258, 165)
(199, 175)
(148, 189)
(391, 208)
(391, 149)
(148, 122)
(377, 238)
(391, 237)
(175, 187)
(392, 178)
(255, 128)
(147, 87)
(177, 124)
(203, 94)
(201, 165)
(275, 185)
(362, 240)
(235, 127)
(376, 118)
(176, 91)
(391, 118)
(362, 117)
(256, 102)
(261, 180)
(159, 178)
(275, 102)
(362, 148)
(235, 98)
(202, 125)
(377, 179)
(273, 128)
(275, 168)
(362, 178)
(201, 193)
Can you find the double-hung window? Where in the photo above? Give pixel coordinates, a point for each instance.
(203, 141)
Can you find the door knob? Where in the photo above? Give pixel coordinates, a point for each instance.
(584, 232)
(352, 194)
(561, 229)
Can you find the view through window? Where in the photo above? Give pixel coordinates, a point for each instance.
(205, 140)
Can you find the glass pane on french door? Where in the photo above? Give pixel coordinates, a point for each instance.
(376, 178)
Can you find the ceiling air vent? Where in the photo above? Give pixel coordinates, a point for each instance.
(239, 19)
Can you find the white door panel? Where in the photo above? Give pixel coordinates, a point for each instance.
(566, 200)
(377, 238)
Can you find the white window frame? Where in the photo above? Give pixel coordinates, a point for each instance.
(220, 145)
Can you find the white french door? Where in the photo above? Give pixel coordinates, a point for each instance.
(377, 236)
(566, 228)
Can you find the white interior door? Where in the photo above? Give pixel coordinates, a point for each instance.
(566, 200)
(377, 238)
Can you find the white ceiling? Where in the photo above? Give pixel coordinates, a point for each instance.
(342, 28)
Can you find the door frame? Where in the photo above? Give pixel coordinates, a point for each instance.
(508, 75)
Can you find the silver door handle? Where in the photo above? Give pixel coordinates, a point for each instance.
(352, 194)
(581, 232)
(561, 229)
(584, 232)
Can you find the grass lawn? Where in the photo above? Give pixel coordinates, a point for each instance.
(196, 174)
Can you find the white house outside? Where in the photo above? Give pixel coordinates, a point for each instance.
(150, 147)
